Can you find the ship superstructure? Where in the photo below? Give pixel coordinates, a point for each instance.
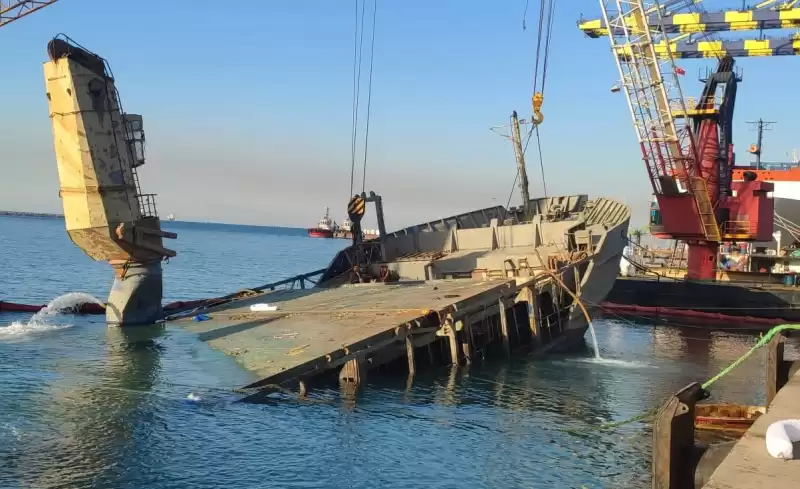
(324, 228)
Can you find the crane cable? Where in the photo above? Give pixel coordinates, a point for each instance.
(538, 97)
(546, 11)
(358, 44)
(369, 96)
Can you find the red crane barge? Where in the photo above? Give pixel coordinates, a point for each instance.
(688, 151)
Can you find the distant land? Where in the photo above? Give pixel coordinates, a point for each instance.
(31, 214)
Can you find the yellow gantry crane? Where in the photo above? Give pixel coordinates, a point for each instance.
(12, 10)
(767, 15)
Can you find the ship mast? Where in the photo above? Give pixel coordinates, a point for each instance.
(523, 174)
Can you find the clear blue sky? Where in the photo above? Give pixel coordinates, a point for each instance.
(247, 106)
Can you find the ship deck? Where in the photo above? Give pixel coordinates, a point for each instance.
(317, 330)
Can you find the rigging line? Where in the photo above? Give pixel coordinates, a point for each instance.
(369, 97)
(541, 162)
(538, 46)
(550, 15)
(357, 44)
(525, 15)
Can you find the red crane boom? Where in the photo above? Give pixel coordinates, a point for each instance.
(13, 10)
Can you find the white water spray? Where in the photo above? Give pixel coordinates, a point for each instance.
(594, 342)
(42, 320)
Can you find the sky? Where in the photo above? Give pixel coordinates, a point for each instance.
(248, 107)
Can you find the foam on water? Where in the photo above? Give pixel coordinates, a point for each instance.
(614, 362)
(43, 320)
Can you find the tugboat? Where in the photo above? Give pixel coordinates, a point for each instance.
(345, 231)
(324, 227)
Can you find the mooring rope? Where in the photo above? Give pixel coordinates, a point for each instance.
(762, 341)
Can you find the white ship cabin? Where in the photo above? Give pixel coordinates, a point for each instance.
(325, 222)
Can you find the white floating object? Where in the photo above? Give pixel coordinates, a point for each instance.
(193, 397)
(261, 307)
(780, 436)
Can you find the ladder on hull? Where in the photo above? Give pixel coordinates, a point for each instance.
(699, 189)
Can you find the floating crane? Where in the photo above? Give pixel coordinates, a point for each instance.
(687, 150)
(98, 150)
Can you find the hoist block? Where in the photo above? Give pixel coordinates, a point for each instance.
(537, 100)
(356, 208)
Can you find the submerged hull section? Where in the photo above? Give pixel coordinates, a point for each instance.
(603, 270)
(449, 292)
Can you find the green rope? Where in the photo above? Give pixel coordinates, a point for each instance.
(763, 340)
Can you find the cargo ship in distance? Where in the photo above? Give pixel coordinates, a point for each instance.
(785, 176)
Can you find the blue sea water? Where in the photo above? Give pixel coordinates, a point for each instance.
(85, 406)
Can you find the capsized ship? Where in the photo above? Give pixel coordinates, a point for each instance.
(580, 239)
(450, 291)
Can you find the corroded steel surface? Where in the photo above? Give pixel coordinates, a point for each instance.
(315, 330)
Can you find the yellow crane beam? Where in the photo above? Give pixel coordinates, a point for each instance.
(13, 10)
(783, 16)
(689, 49)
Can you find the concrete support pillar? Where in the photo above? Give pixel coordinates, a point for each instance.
(136, 295)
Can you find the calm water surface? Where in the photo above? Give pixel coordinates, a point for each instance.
(85, 406)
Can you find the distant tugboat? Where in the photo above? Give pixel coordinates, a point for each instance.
(324, 227)
(345, 230)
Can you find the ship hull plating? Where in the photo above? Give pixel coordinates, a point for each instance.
(498, 242)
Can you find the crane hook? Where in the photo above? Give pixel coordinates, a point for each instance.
(537, 100)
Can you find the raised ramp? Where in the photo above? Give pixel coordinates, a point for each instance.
(318, 330)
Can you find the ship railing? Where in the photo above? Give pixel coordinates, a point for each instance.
(739, 229)
(147, 205)
(290, 283)
(696, 106)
